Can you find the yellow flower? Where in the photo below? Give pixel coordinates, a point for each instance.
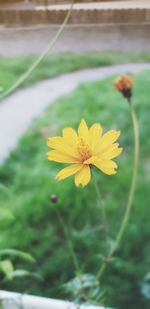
(124, 85)
(84, 149)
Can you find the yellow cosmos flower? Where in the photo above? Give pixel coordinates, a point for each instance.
(84, 149)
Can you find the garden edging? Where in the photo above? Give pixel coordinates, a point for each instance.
(12, 300)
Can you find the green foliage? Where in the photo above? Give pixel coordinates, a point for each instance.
(145, 286)
(6, 267)
(84, 287)
(23, 255)
(5, 215)
(30, 179)
(6, 255)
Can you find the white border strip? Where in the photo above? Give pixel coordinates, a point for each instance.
(12, 300)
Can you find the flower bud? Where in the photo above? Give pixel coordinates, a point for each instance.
(53, 198)
(124, 85)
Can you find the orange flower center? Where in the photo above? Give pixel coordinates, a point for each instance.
(84, 149)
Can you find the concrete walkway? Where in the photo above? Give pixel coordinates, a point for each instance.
(18, 111)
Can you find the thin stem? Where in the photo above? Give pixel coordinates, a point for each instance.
(40, 58)
(70, 245)
(101, 203)
(130, 196)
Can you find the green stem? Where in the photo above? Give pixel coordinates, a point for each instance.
(131, 193)
(40, 58)
(70, 245)
(101, 203)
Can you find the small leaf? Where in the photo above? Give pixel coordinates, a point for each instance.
(5, 214)
(18, 273)
(145, 286)
(13, 252)
(85, 288)
(6, 267)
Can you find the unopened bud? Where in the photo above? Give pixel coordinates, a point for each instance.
(124, 85)
(53, 198)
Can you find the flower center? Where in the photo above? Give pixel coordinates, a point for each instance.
(84, 149)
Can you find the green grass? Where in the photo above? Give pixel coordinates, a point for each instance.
(29, 178)
(12, 68)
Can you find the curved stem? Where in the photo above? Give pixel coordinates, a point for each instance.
(101, 203)
(70, 245)
(131, 193)
(40, 58)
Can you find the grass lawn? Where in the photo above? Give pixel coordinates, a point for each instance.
(29, 178)
(12, 68)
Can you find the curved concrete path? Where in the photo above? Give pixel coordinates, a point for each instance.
(18, 110)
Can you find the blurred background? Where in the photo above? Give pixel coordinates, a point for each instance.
(43, 90)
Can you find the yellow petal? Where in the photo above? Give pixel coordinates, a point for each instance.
(83, 176)
(53, 141)
(62, 145)
(111, 153)
(60, 157)
(91, 160)
(70, 137)
(68, 171)
(106, 166)
(95, 133)
(70, 134)
(108, 139)
(83, 131)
